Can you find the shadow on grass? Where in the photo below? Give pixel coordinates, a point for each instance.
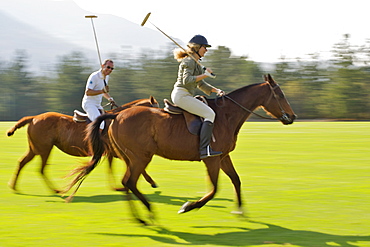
(177, 200)
(156, 197)
(77, 199)
(242, 236)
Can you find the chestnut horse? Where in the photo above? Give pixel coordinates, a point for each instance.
(54, 129)
(141, 132)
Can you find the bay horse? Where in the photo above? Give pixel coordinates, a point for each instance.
(51, 129)
(141, 132)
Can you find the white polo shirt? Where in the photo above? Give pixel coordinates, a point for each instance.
(95, 82)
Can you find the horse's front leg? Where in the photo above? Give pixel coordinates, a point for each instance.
(228, 167)
(136, 164)
(44, 160)
(213, 168)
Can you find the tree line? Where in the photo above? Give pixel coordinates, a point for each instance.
(335, 88)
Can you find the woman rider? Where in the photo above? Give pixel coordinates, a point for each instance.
(190, 76)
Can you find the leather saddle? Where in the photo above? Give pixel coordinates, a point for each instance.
(81, 117)
(193, 122)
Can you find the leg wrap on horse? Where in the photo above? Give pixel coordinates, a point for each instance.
(205, 149)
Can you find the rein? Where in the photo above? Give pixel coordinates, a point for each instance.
(246, 109)
(284, 116)
(111, 105)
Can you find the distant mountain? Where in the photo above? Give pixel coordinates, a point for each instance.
(42, 49)
(47, 29)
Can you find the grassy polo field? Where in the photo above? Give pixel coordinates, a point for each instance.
(306, 184)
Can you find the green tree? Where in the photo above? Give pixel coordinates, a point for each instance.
(316, 88)
(66, 93)
(347, 94)
(232, 72)
(20, 92)
(150, 73)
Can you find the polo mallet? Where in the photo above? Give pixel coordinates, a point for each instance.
(196, 60)
(91, 17)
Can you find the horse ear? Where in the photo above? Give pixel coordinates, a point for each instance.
(271, 80)
(265, 77)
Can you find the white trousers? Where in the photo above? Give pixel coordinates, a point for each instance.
(93, 111)
(182, 98)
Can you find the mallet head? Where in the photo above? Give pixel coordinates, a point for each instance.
(91, 16)
(145, 19)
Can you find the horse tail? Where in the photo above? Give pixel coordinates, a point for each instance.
(22, 122)
(97, 146)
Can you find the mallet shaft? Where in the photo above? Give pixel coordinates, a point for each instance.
(196, 60)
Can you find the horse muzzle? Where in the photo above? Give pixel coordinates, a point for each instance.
(287, 119)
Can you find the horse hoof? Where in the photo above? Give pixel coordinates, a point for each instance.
(11, 185)
(184, 208)
(237, 212)
(154, 186)
(68, 199)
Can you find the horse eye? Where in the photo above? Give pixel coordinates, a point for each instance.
(281, 95)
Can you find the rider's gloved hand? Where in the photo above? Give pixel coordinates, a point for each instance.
(220, 93)
(209, 73)
(112, 102)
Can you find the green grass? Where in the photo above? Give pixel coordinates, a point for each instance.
(306, 185)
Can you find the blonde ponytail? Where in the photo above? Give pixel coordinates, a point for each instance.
(179, 54)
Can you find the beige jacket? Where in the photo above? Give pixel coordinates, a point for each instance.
(188, 70)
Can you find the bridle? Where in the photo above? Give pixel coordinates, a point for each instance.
(284, 117)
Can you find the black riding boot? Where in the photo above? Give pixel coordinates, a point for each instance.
(205, 149)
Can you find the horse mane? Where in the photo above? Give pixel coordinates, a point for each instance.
(151, 101)
(236, 91)
(244, 88)
(125, 106)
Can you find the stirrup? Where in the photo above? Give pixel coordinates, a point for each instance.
(208, 153)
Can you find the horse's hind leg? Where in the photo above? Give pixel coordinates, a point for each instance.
(228, 167)
(149, 179)
(213, 168)
(135, 167)
(130, 181)
(27, 158)
(110, 174)
(44, 159)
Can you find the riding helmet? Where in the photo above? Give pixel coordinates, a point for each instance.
(200, 40)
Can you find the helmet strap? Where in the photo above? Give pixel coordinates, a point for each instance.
(197, 52)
